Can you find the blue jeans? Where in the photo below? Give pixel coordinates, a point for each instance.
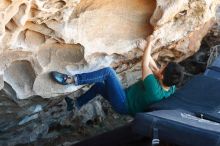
(107, 85)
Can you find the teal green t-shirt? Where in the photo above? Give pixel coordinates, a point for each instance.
(145, 92)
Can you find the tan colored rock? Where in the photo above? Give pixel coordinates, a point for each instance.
(73, 36)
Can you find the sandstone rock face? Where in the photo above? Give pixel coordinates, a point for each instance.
(38, 36)
(74, 36)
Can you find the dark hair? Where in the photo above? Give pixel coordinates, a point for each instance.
(172, 74)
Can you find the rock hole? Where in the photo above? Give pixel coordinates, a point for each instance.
(184, 12)
(59, 4)
(22, 8)
(20, 76)
(21, 12)
(11, 26)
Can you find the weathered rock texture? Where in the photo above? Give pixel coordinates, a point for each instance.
(40, 36)
(74, 36)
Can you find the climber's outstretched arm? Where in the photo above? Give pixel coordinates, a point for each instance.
(153, 65)
(146, 70)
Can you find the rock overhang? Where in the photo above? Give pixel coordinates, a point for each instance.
(72, 35)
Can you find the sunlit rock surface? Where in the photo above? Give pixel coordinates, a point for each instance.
(40, 36)
(74, 36)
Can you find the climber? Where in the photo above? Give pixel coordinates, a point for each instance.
(156, 84)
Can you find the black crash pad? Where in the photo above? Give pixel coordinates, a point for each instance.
(190, 117)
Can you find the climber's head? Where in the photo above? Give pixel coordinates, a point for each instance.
(171, 74)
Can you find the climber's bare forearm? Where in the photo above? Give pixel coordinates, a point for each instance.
(146, 59)
(153, 65)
